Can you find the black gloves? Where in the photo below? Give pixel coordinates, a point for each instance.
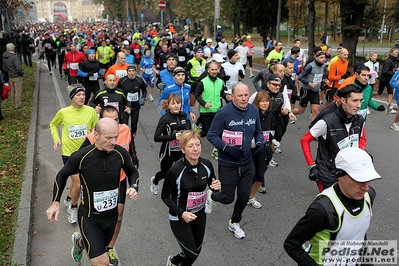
(381, 108)
(258, 150)
(241, 74)
(313, 173)
(91, 73)
(234, 151)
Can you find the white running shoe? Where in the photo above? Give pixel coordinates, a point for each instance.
(169, 261)
(393, 111)
(395, 127)
(273, 163)
(150, 97)
(73, 215)
(255, 203)
(368, 111)
(236, 229)
(209, 202)
(278, 150)
(154, 188)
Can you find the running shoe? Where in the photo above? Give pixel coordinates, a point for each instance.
(65, 78)
(236, 229)
(273, 163)
(393, 111)
(395, 127)
(150, 97)
(291, 121)
(113, 260)
(61, 78)
(209, 202)
(254, 203)
(278, 150)
(51, 73)
(77, 249)
(215, 154)
(262, 189)
(68, 204)
(368, 111)
(388, 109)
(169, 261)
(73, 215)
(251, 75)
(154, 188)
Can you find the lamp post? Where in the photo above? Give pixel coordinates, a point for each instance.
(383, 21)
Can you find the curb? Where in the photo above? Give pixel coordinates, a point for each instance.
(23, 231)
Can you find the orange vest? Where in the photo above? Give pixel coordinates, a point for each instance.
(118, 70)
(123, 140)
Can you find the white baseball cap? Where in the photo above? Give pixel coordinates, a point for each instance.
(218, 58)
(125, 42)
(208, 40)
(357, 164)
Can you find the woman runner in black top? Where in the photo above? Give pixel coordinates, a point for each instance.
(168, 131)
(184, 192)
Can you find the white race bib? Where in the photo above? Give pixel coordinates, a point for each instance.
(148, 71)
(199, 70)
(318, 78)
(105, 200)
(94, 77)
(136, 51)
(349, 141)
(132, 97)
(120, 73)
(74, 66)
(182, 58)
(77, 131)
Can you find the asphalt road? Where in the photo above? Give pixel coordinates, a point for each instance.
(146, 238)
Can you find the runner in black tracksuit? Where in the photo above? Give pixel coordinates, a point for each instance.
(90, 71)
(184, 192)
(168, 131)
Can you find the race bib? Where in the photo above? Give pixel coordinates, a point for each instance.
(233, 138)
(229, 85)
(196, 201)
(74, 66)
(349, 141)
(94, 77)
(114, 104)
(266, 135)
(182, 58)
(47, 45)
(289, 93)
(120, 73)
(373, 74)
(318, 78)
(132, 97)
(77, 131)
(105, 200)
(174, 145)
(199, 70)
(165, 65)
(136, 51)
(148, 71)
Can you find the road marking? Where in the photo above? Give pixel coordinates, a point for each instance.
(56, 86)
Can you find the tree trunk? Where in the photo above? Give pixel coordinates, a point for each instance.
(310, 28)
(326, 18)
(351, 21)
(236, 24)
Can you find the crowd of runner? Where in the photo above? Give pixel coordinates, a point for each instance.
(245, 130)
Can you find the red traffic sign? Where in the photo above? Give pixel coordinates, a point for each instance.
(162, 4)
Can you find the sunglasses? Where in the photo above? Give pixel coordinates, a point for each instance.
(276, 84)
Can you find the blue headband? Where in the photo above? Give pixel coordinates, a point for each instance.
(91, 51)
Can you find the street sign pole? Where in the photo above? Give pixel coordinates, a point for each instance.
(161, 18)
